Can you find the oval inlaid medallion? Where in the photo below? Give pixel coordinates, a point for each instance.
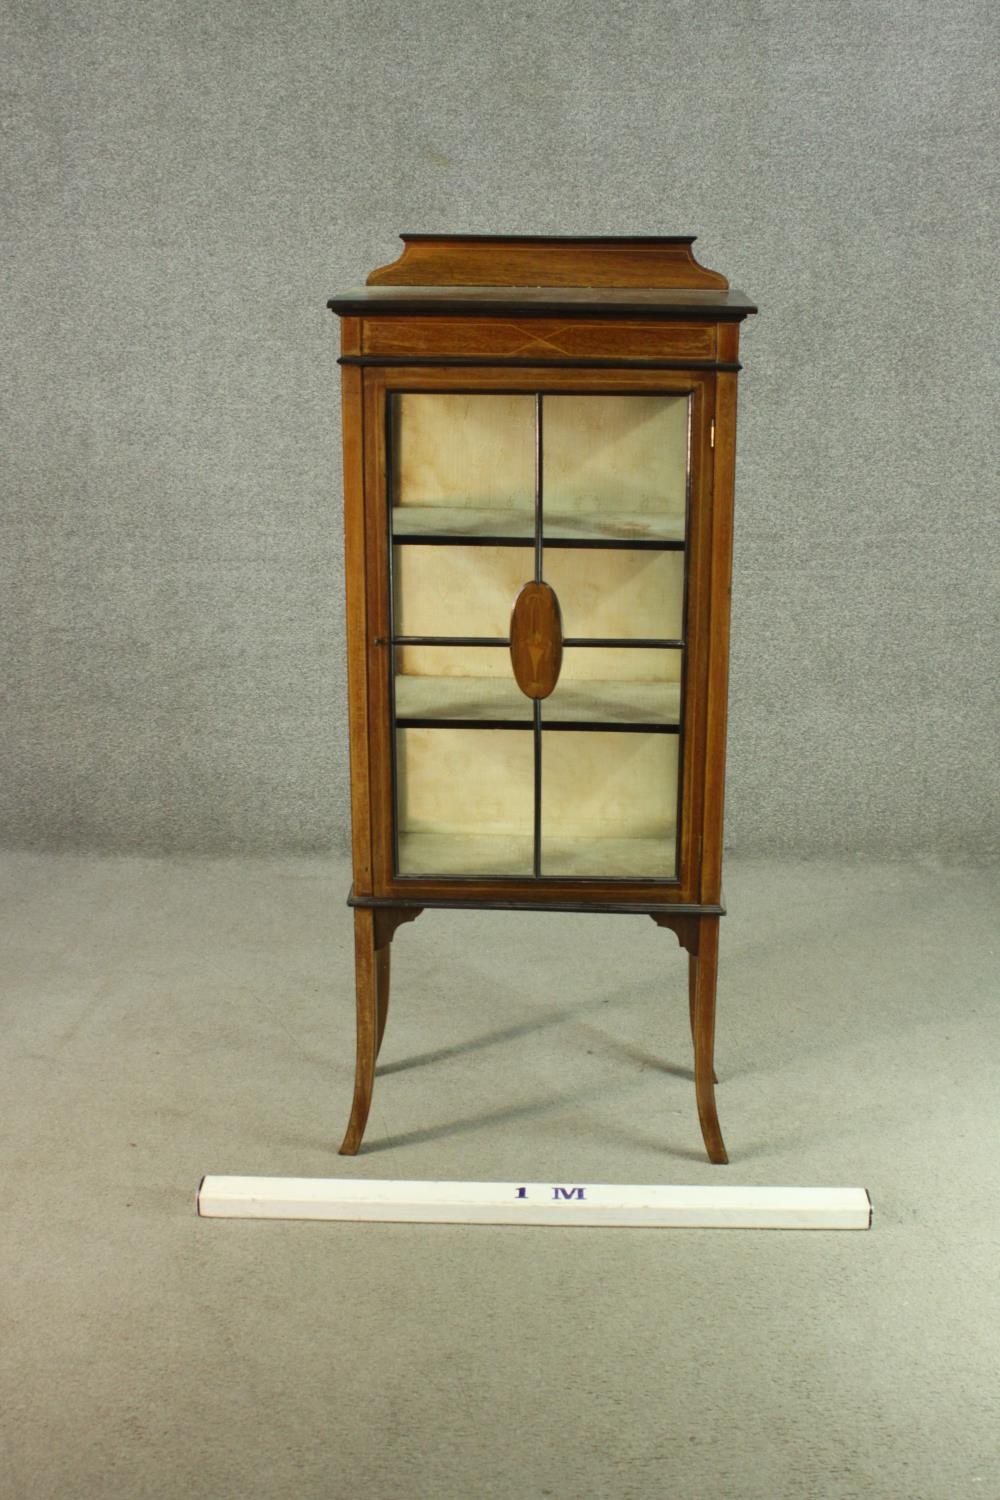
(536, 640)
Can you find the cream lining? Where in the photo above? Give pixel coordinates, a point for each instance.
(613, 466)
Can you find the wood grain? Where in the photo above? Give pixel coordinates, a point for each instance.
(696, 616)
(386, 922)
(373, 932)
(715, 628)
(366, 981)
(536, 640)
(704, 965)
(356, 570)
(379, 655)
(496, 260)
(504, 338)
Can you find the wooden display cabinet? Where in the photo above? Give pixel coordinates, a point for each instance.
(538, 467)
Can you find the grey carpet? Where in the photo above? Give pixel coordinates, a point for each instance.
(165, 1019)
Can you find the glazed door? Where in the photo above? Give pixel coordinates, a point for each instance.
(537, 606)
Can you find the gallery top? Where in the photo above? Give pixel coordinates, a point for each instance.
(496, 275)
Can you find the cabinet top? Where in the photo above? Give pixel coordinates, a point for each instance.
(656, 276)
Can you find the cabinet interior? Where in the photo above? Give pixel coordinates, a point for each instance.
(589, 493)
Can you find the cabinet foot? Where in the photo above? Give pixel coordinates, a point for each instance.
(703, 972)
(700, 936)
(373, 931)
(692, 1002)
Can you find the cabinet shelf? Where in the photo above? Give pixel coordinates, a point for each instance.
(468, 854)
(471, 702)
(614, 858)
(505, 855)
(462, 525)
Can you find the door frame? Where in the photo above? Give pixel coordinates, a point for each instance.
(704, 634)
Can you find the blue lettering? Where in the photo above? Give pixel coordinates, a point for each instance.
(574, 1192)
(521, 1193)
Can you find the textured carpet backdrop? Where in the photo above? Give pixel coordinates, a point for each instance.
(188, 182)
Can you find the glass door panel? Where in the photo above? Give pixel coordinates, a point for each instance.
(462, 464)
(588, 495)
(618, 594)
(452, 684)
(615, 467)
(465, 802)
(604, 684)
(609, 805)
(457, 591)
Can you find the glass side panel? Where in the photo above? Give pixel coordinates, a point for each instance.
(465, 801)
(615, 466)
(457, 682)
(609, 805)
(457, 590)
(601, 683)
(462, 464)
(618, 595)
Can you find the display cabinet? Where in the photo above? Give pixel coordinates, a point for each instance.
(538, 467)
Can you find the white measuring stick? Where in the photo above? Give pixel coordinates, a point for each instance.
(599, 1204)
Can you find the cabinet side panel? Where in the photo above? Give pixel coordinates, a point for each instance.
(717, 685)
(699, 564)
(380, 738)
(357, 632)
(351, 335)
